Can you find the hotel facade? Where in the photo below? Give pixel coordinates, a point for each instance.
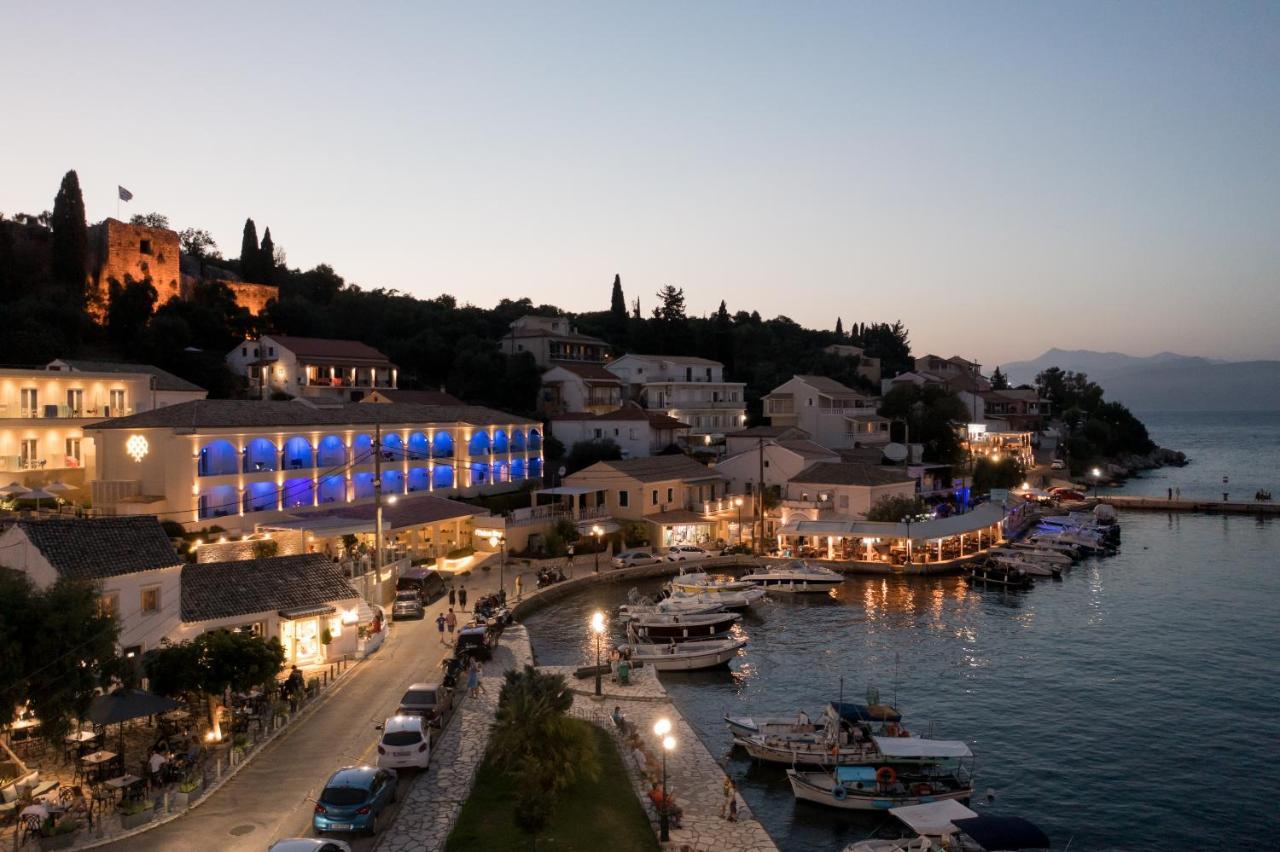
(237, 463)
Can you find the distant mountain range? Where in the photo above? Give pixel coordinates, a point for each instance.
(1167, 381)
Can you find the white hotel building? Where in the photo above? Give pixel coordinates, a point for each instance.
(238, 463)
(691, 390)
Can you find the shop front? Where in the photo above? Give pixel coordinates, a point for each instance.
(684, 527)
(301, 633)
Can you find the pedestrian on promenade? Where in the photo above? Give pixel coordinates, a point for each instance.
(473, 678)
(453, 596)
(1170, 493)
(462, 598)
(518, 584)
(440, 620)
(480, 678)
(451, 621)
(729, 809)
(1177, 493)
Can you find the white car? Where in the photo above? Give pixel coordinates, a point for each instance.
(404, 744)
(686, 552)
(309, 844)
(1057, 464)
(627, 558)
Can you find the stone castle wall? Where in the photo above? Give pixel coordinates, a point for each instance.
(252, 296)
(121, 252)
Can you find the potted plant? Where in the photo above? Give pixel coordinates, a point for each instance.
(135, 812)
(59, 834)
(189, 789)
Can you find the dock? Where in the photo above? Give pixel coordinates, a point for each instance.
(1208, 507)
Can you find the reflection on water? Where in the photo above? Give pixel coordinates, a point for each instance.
(1070, 693)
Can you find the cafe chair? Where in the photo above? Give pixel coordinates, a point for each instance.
(31, 826)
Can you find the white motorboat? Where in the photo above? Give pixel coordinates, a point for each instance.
(796, 577)
(1046, 541)
(949, 825)
(645, 608)
(744, 599)
(847, 736)
(866, 788)
(872, 717)
(678, 627)
(686, 656)
(701, 583)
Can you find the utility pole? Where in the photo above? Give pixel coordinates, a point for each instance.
(759, 542)
(377, 502)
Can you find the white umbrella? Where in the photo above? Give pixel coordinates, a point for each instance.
(13, 489)
(59, 487)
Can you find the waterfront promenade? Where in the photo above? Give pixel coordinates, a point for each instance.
(1211, 507)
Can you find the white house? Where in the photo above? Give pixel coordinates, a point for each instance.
(833, 414)
(691, 390)
(751, 437)
(569, 388)
(551, 340)
(130, 560)
(638, 432)
(779, 459)
(312, 367)
(843, 489)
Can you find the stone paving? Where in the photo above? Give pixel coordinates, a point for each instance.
(432, 805)
(695, 777)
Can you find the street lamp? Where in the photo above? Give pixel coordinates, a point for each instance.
(1097, 474)
(597, 627)
(495, 541)
(597, 532)
(662, 728)
(737, 501)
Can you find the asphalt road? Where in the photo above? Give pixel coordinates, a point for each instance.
(268, 799)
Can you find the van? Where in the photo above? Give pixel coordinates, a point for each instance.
(428, 584)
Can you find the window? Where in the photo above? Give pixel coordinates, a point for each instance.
(670, 494)
(133, 652)
(271, 351)
(73, 450)
(144, 246)
(810, 402)
(708, 374)
(844, 501)
(30, 398)
(688, 374)
(244, 351)
(116, 399)
(28, 451)
(599, 433)
(109, 605)
(653, 499)
(616, 433)
(624, 499)
(150, 600)
(75, 400)
(766, 462)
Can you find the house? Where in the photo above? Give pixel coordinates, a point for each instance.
(868, 367)
(130, 560)
(679, 499)
(751, 437)
(843, 489)
(637, 432)
(691, 390)
(1020, 409)
(777, 460)
(311, 367)
(301, 600)
(552, 339)
(413, 397)
(947, 367)
(43, 413)
(833, 414)
(569, 388)
(238, 463)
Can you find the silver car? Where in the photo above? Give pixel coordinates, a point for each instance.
(627, 558)
(407, 605)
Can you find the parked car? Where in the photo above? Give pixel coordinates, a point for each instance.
(428, 584)
(353, 798)
(405, 743)
(686, 552)
(476, 640)
(308, 844)
(407, 605)
(628, 558)
(1057, 464)
(431, 701)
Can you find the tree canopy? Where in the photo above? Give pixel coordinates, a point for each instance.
(931, 413)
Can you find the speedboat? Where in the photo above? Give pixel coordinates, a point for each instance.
(702, 583)
(643, 608)
(868, 788)
(686, 656)
(795, 578)
(950, 825)
(744, 599)
(678, 627)
(1043, 554)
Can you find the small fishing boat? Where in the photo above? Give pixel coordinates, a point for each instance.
(1043, 554)
(873, 716)
(868, 788)
(850, 736)
(1034, 567)
(701, 583)
(948, 825)
(686, 656)
(797, 577)
(993, 573)
(679, 627)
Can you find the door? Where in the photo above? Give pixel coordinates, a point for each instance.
(75, 401)
(30, 402)
(306, 640)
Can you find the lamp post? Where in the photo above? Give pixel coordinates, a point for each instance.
(737, 501)
(662, 728)
(597, 627)
(500, 541)
(597, 532)
(1097, 474)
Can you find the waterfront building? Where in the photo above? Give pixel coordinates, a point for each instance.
(1018, 409)
(691, 390)
(552, 339)
(833, 414)
(825, 490)
(44, 412)
(779, 460)
(569, 388)
(238, 463)
(868, 367)
(636, 431)
(311, 368)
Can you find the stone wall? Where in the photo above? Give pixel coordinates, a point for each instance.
(252, 296)
(287, 544)
(121, 251)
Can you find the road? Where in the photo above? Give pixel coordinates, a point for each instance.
(268, 798)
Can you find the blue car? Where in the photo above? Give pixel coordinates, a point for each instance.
(353, 798)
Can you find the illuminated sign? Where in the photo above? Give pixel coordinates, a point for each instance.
(136, 447)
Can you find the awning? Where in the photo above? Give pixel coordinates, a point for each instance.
(304, 611)
(984, 516)
(933, 818)
(913, 747)
(993, 832)
(866, 713)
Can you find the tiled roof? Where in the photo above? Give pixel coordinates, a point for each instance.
(863, 455)
(571, 336)
(165, 380)
(850, 473)
(97, 548)
(768, 432)
(590, 372)
(408, 511)
(807, 449)
(678, 359)
(332, 350)
(651, 468)
(829, 386)
(662, 420)
(420, 397)
(212, 590)
(264, 414)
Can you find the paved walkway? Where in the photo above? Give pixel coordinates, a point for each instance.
(695, 777)
(431, 808)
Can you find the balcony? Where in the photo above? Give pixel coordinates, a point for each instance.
(63, 412)
(816, 502)
(21, 463)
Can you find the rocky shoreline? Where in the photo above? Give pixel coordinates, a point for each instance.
(1132, 465)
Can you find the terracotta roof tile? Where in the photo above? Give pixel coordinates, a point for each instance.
(212, 590)
(97, 548)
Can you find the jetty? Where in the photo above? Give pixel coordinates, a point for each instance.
(1210, 507)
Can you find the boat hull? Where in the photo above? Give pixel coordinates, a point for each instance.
(807, 787)
(798, 753)
(703, 627)
(688, 661)
(797, 587)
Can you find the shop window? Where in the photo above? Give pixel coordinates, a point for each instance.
(109, 605)
(150, 600)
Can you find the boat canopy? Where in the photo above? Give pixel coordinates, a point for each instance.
(994, 832)
(853, 774)
(933, 818)
(865, 713)
(909, 747)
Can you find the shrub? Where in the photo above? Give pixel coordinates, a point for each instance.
(459, 552)
(894, 509)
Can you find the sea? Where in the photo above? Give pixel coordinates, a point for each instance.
(1132, 705)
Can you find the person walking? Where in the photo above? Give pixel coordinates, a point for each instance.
(462, 598)
(518, 585)
(451, 622)
(728, 809)
(453, 596)
(1170, 493)
(479, 678)
(1177, 493)
(440, 621)
(473, 678)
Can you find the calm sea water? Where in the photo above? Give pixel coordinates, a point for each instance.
(1242, 446)
(1131, 705)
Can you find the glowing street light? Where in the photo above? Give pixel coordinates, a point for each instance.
(662, 728)
(597, 627)
(1097, 474)
(597, 531)
(737, 501)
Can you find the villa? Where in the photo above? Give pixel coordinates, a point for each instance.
(311, 368)
(691, 390)
(551, 340)
(833, 414)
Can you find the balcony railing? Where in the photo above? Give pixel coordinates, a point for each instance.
(807, 503)
(62, 412)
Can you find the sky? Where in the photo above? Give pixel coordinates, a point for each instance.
(1001, 176)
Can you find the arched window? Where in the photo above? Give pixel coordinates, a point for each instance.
(218, 458)
(517, 469)
(219, 502)
(392, 447)
(442, 445)
(535, 440)
(500, 441)
(418, 445)
(479, 444)
(517, 441)
(535, 468)
(297, 453)
(331, 452)
(260, 497)
(479, 473)
(442, 477)
(418, 479)
(362, 485)
(362, 450)
(392, 482)
(332, 489)
(298, 492)
(260, 454)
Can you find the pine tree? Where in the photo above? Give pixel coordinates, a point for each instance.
(671, 309)
(617, 311)
(839, 329)
(249, 252)
(266, 259)
(70, 237)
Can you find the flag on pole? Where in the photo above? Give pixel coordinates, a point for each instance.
(125, 195)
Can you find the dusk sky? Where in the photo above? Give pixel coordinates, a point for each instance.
(1003, 177)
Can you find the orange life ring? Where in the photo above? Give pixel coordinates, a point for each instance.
(923, 789)
(886, 776)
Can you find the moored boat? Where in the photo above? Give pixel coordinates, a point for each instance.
(873, 717)
(701, 583)
(797, 577)
(993, 573)
(678, 627)
(686, 656)
(1032, 566)
(949, 826)
(868, 788)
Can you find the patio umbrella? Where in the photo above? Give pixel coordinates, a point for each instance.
(124, 704)
(37, 495)
(59, 487)
(13, 489)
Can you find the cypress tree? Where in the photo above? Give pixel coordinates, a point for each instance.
(70, 237)
(249, 252)
(266, 259)
(839, 329)
(617, 304)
